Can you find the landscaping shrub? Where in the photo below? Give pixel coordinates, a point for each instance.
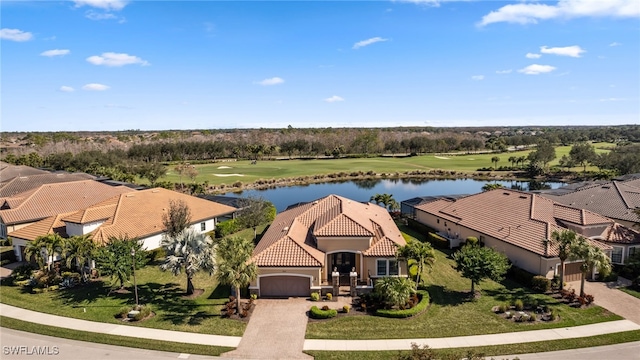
(8, 256)
(124, 311)
(540, 284)
(437, 241)
(518, 305)
(521, 276)
(612, 276)
(420, 227)
(554, 315)
(315, 296)
(145, 310)
(636, 283)
(325, 308)
(471, 240)
(631, 269)
(322, 314)
(329, 296)
(345, 309)
(227, 228)
(424, 302)
(503, 308)
(156, 254)
(532, 317)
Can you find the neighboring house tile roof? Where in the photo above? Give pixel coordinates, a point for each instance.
(139, 214)
(53, 199)
(614, 199)
(622, 235)
(291, 238)
(519, 218)
(22, 184)
(50, 225)
(9, 171)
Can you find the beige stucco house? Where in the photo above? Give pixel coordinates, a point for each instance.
(517, 223)
(306, 243)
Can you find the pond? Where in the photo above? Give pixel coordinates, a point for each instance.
(401, 189)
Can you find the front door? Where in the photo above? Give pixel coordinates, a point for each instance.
(344, 263)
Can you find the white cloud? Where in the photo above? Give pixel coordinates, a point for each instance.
(271, 81)
(115, 5)
(536, 69)
(368, 42)
(15, 35)
(531, 13)
(95, 15)
(95, 87)
(67, 89)
(533, 56)
(573, 51)
(114, 59)
(615, 43)
(477, 77)
(508, 71)
(434, 3)
(612, 99)
(55, 52)
(334, 98)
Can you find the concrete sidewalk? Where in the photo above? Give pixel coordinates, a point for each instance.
(475, 340)
(114, 329)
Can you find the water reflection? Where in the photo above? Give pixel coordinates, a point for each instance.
(401, 189)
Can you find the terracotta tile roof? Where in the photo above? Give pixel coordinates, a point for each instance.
(9, 171)
(331, 216)
(614, 199)
(53, 199)
(50, 225)
(20, 184)
(519, 218)
(622, 235)
(138, 214)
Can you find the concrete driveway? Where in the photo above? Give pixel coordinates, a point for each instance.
(609, 297)
(276, 330)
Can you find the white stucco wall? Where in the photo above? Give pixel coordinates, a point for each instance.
(74, 229)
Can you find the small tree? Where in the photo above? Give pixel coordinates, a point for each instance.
(190, 251)
(583, 154)
(491, 186)
(234, 265)
(419, 255)
(512, 160)
(494, 161)
(395, 291)
(564, 240)
(52, 245)
(78, 250)
(385, 199)
(177, 218)
(479, 263)
(254, 212)
(591, 256)
(36, 249)
(115, 259)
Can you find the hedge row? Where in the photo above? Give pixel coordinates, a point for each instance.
(521, 276)
(424, 302)
(420, 227)
(438, 241)
(317, 313)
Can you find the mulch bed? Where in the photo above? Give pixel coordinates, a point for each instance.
(236, 316)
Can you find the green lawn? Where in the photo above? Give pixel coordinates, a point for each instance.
(631, 291)
(160, 289)
(523, 348)
(158, 345)
(231, 172)
(450, 314)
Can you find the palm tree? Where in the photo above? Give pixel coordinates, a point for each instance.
(495, 160)
(521, 160)
(234, 265)
(395, 290)
(190, 251)
(419, 255)
(385, 199)
(34, 249)
(78, 250)
(591, 256)
(512, 160)
(564, 240)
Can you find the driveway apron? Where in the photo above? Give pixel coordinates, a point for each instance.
(609, 297)
(276, 330)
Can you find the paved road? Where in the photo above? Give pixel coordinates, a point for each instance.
(56, 348)
(626, 351)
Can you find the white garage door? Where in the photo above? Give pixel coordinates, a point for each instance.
(284, 286)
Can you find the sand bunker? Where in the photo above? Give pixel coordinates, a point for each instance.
(441, 157)
(225, 175)
(224, 167)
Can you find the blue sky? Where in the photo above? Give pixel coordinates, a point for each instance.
(116, 65)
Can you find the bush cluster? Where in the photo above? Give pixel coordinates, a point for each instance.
(540, 284)
(521, 276)
(437, 241)
(317, 313)
(227, 228)
(422, 304)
